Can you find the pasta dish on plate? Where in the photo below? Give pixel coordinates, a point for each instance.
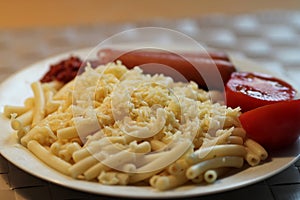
(120, 126)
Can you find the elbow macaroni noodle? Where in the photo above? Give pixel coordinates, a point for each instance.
(118, 127)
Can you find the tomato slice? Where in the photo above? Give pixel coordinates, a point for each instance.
(273, 126)
(251, 90)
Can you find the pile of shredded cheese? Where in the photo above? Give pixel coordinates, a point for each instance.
(128, 101)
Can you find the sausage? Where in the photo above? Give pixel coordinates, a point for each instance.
(107, 53)
(206, 72)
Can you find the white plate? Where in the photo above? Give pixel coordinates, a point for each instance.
(15, 89)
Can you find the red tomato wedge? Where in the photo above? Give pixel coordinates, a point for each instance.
(251, 90)
(273, 126)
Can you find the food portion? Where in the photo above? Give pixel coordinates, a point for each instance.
(117, 125)
(274, 126)
(63, 71)
(66, 70)
(208, 69)
(270, 112)
(249, 90)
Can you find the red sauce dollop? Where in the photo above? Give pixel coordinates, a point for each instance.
(63, 71)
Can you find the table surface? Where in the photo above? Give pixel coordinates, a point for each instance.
(33, 13)
(270, 38)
